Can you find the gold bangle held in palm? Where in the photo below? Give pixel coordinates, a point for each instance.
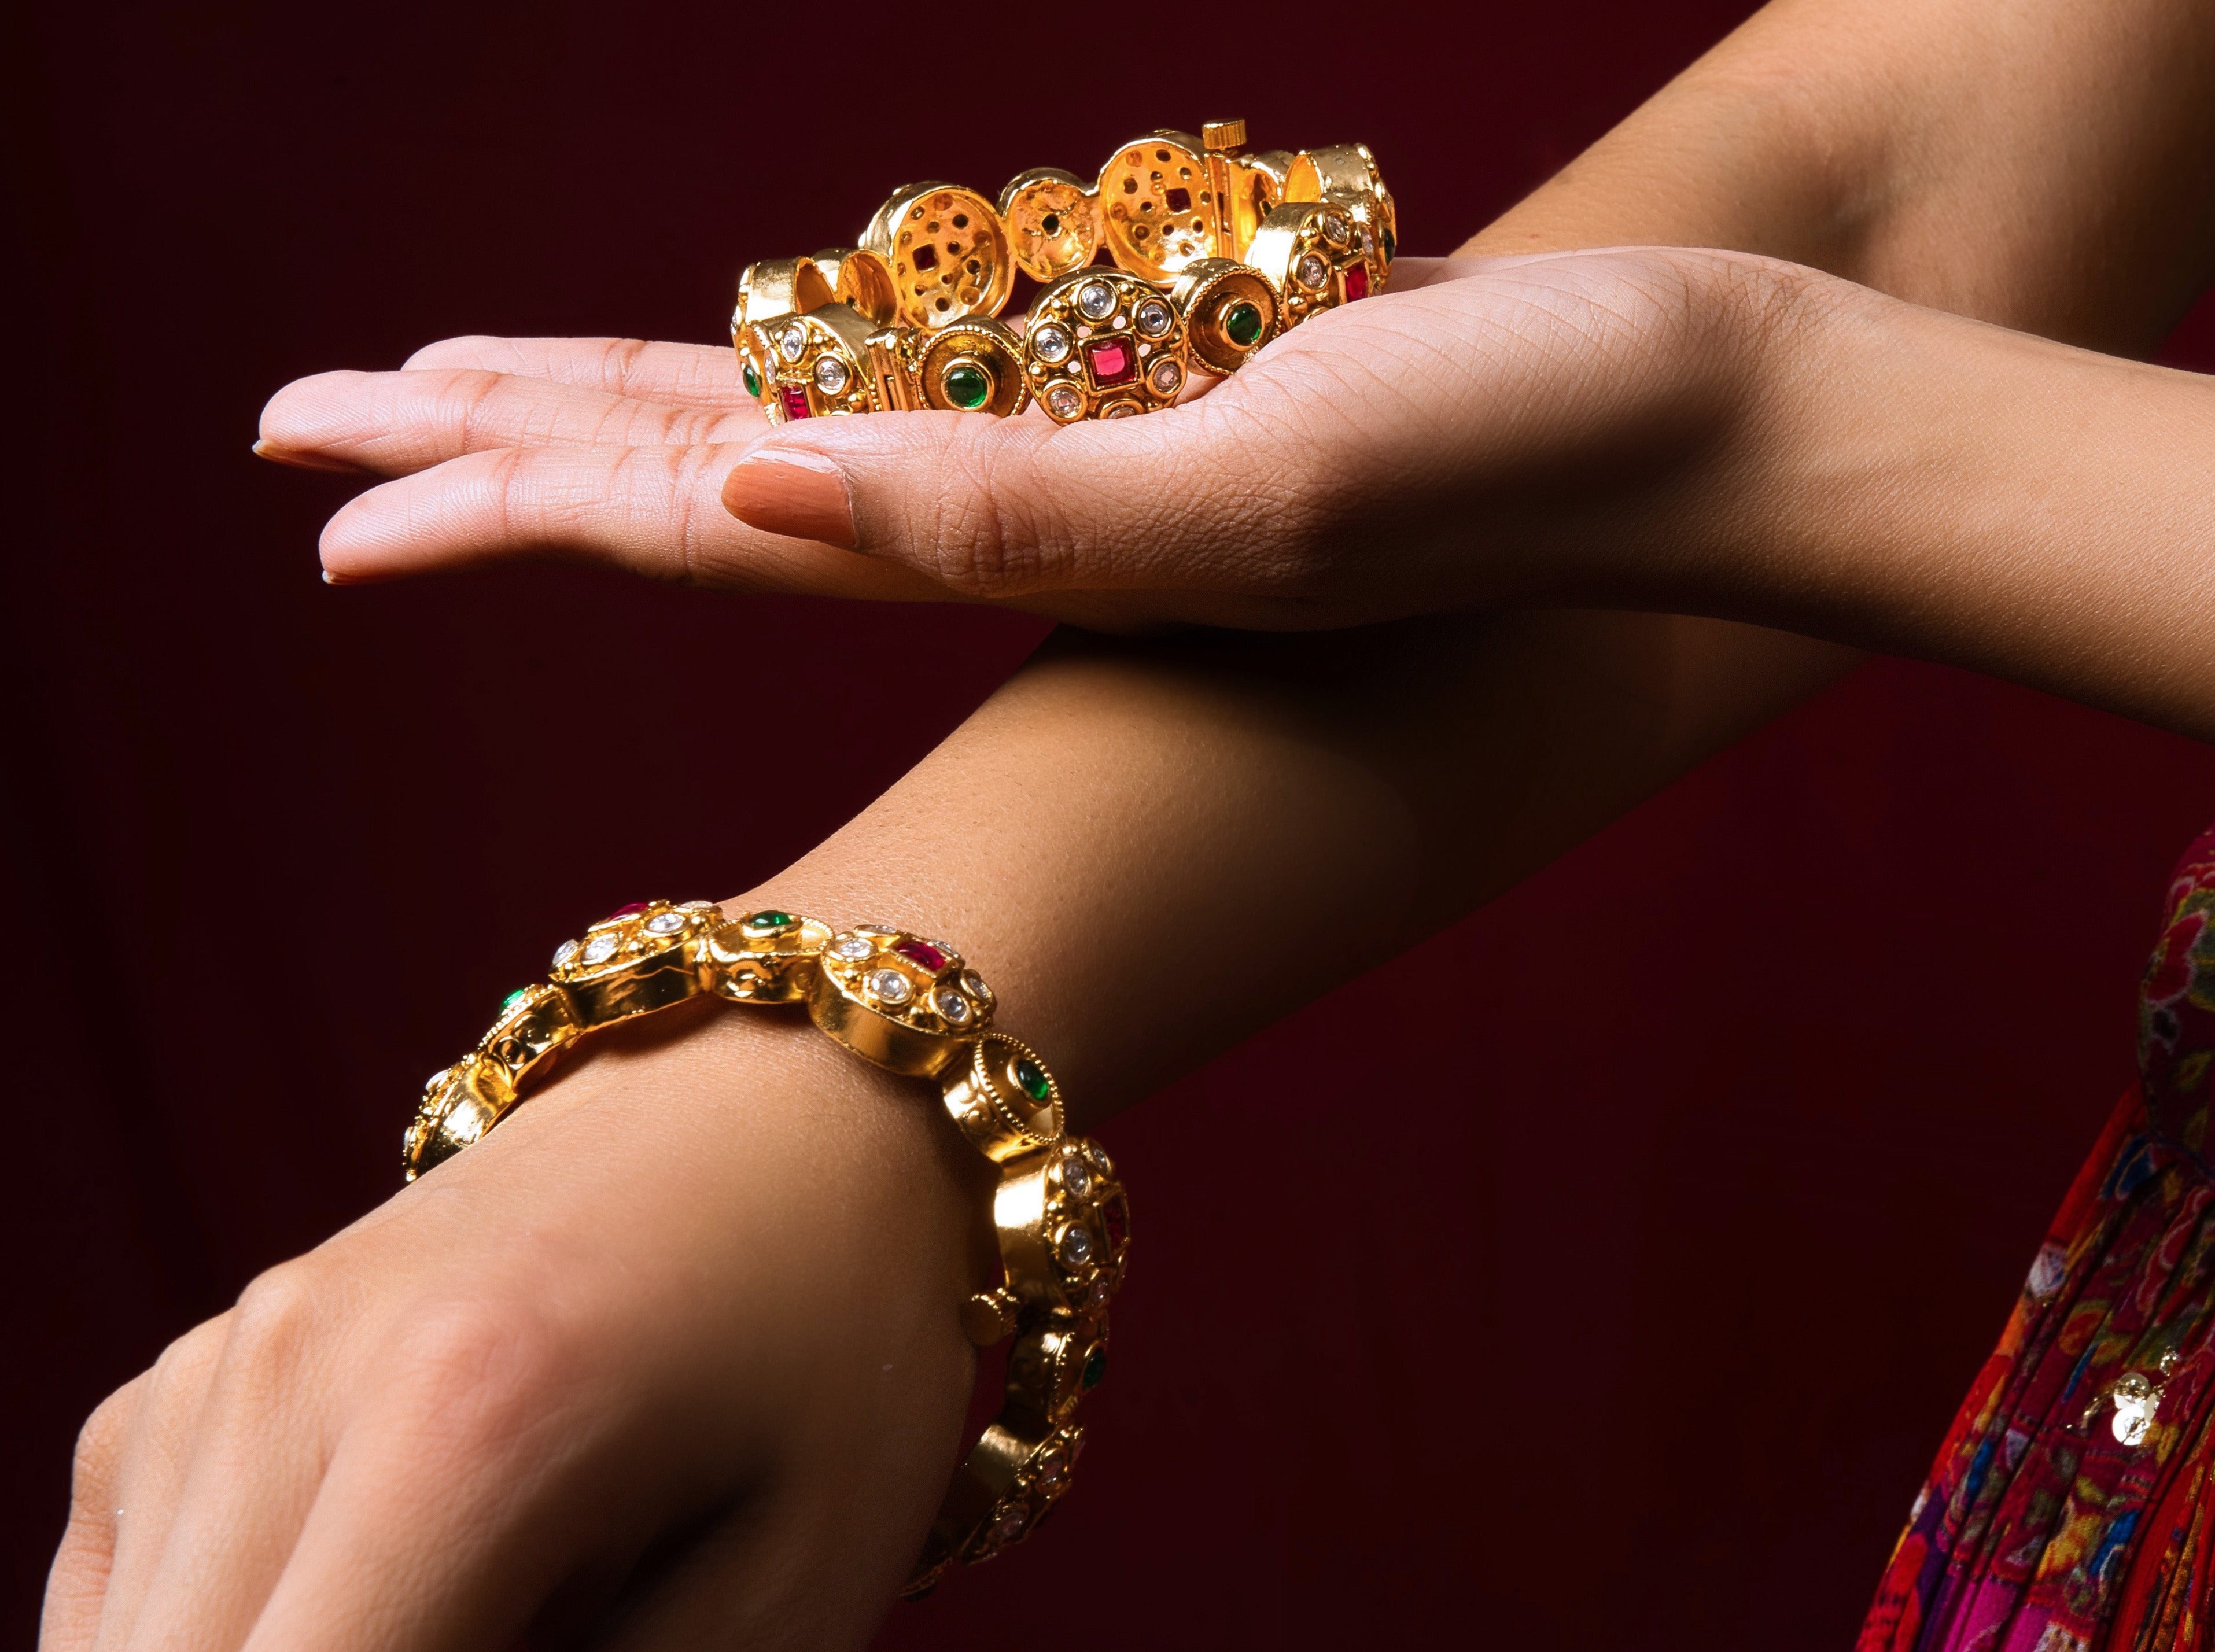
(914, 1006)
(1213, 250)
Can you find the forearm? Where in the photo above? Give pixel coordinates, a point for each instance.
(1154, 850)
(2036, 162)
(1947, 489)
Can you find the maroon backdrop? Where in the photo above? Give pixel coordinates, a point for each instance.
(1724, 1180)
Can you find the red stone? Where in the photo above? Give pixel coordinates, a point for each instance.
(1117, 1217)
(1357, 282)
(795, 398)
(923, 953)
(631, 910)
(1113, 361)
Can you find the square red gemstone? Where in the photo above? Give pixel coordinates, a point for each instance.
(1357, 282)
(1113, 361)
(631, 910)
(923, 953)
(795, 400)
(1180, 200)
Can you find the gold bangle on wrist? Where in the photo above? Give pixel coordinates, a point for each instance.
(1213, 250)
(914, 1006)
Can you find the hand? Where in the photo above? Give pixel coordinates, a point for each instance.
(1490, 430)
(671, 1359)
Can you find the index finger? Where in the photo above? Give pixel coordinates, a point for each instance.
(682, 375)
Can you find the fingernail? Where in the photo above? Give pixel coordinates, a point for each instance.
(300, 461)
(798, 495)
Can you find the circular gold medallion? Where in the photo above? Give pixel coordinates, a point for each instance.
(1053, 220)
(947, 252)
(1157, 211)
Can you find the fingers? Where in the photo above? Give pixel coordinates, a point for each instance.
(451, 1506)
(684, 375)
(391, 424)
(244, 1448)
(651, 510)
(77, 1583)
(157, 1414)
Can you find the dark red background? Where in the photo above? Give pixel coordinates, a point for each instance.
(1601, 1275)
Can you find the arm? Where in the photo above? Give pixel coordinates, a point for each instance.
(362, 1452)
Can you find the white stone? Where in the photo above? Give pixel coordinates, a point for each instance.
(831, 375)
(1096, 300)
(598, 951)
(1311, 271)
(1077, 1244)
(890, 986)
(665, 923)
(953, 1007)
(1050, 342)
(1165, 377)
(1154, 318)
(1076, 1175)
(975, 985)
(563, 953)
(1064, 402)
(1334, 227)
(852, 948)
(792, 343)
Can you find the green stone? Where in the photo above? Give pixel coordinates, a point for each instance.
(769, 922)
(1392, 247)
(967, 387)
(753, 381)
(1032, 1076)
(1095, 1367)
(508, 1005)
(1243, 322)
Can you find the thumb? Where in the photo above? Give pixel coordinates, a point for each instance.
(1000, 509)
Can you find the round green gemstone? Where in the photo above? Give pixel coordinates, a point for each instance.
(1243, 322)
(1392, 247)
(967, 386)
(508, 1005)
(1095, 1367)
(753, 381)
(769, 922)
(1032, 1076)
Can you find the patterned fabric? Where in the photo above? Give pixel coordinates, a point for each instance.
(2069, 1509)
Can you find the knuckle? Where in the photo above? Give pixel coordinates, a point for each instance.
(99, 1443)
(277, 1315)
(480, 1371)
(974, 541)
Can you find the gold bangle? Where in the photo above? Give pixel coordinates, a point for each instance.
(914, 1006)
(1215, 249)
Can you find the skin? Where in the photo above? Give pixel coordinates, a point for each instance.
(379, 1447)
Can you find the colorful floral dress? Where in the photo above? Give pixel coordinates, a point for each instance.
(2070, 1509)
